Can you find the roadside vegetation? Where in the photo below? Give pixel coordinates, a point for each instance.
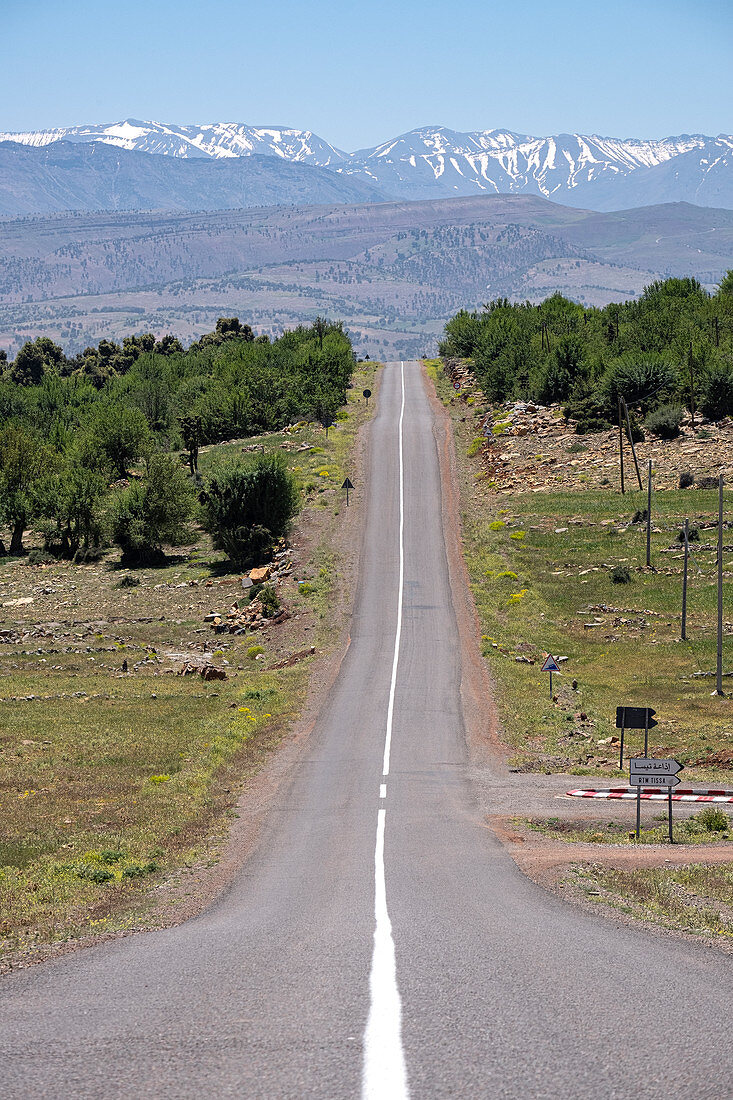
(670, 349)
(709, 826)
(557, 558)
(697, 898)
(115, 771)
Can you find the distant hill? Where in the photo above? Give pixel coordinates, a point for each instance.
(394, 272)
(94, 177)
(582, 170)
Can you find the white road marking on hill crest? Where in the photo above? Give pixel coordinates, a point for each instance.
(384, 1073)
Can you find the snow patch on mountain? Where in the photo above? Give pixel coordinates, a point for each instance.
(432, 161)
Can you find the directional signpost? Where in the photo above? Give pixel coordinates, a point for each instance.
(347, 485)
(634, 718)
(550, 666)
(645, 771)
(367, 394)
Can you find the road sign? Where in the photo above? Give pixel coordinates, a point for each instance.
(367, 394)
(456, 385)
(649, 766)
(347, 486)
(635, 718)
(639, 780)
(645, 771)
(550, 666)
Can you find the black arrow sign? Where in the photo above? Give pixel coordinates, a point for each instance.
(635, 718)
(347, 485)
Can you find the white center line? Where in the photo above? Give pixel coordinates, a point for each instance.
(382, 790)
(384, 1074)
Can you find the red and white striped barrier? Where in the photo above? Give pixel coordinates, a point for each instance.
(656, 794)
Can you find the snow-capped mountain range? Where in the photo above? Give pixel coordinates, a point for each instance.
(432, 162)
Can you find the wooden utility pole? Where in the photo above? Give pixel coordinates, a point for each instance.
(684, 580)
(692, 386)
(719, 671)
(621, 443)
(631, 441)
(649, 515)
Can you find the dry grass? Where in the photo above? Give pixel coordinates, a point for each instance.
(696, 899)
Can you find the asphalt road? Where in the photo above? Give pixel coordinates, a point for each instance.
(325, 971)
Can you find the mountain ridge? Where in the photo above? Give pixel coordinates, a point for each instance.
(586, 170)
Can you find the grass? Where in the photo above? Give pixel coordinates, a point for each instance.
(706, 827)
(541, 570)
(697, 899)
(111, 780)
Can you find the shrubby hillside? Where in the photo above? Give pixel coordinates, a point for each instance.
(671, 349)
(70, 428)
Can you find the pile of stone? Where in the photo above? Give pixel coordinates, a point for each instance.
(246, 615)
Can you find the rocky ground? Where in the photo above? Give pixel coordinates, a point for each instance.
(534, 447)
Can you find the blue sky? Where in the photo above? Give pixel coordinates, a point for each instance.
(359, 73)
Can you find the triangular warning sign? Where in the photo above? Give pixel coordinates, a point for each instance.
(347, 484)
(550, 664)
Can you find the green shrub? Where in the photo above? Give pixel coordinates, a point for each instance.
(717, 392)
(714, 819)
(254, 651)
(620, 574)
(39, 557)
(639, 382)
(100, 875)
(665, 421)
(270, 601)
(249, 505)
(153, 511)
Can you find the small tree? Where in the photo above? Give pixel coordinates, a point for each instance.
(153, 512)
(248, 506)
(120, 432)
(24, 461)
(717, 392)
(28, 367)
(70, 501)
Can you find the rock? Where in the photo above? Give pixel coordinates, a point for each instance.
(210, 673)
(259, 576)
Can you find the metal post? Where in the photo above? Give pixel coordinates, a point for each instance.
(719, 679)
(684, 580)
(621, 754)
(649, 515)
(621, 444)
(646, 733)
(551, 685)
(669, 793)
(638, 811)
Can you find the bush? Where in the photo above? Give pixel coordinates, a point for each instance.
(717, 392)
(153, 512)
(269, 601)
(639, 382)
(714, 819)
(128, 581)
(620, 574)
(39, 557)
(686, 479)
(665, 421)
(693, 535)
(249, 505)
